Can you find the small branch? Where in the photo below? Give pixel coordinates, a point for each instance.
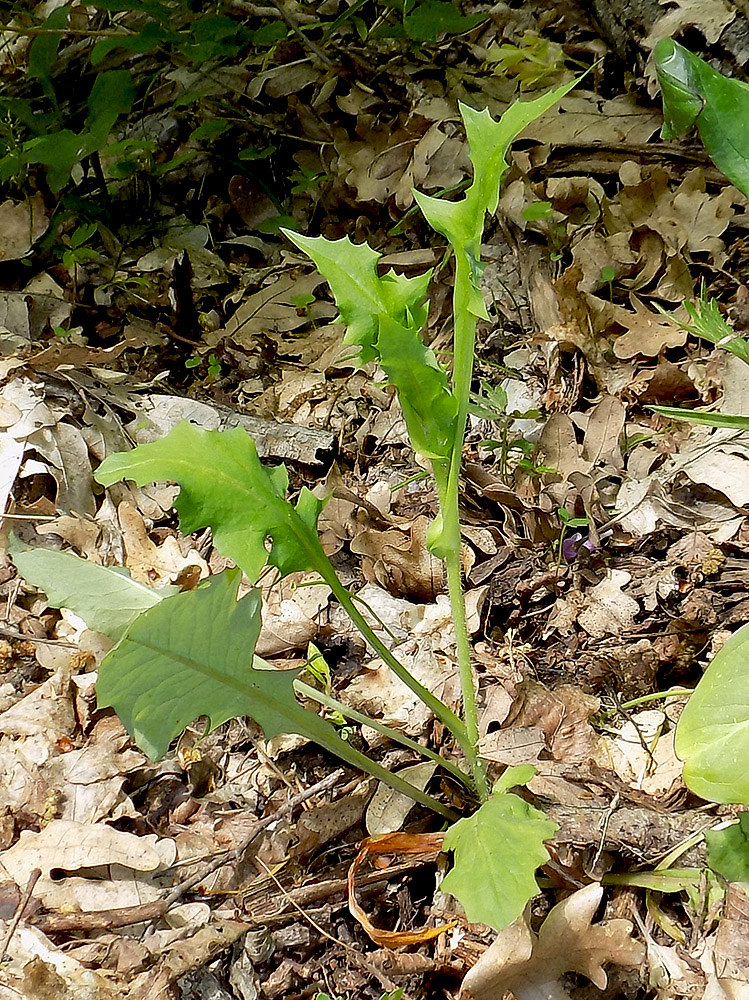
(314, 49)
(77, 32)
(22, 904)
(236, 853)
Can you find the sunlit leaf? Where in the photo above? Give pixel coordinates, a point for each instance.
(497, 851)
(712, 735)
(224, 487)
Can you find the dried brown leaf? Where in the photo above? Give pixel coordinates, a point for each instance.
(530, 967)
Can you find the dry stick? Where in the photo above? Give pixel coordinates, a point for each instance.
(126, 916)
(22, 904)
(315, 49)
(236, 853)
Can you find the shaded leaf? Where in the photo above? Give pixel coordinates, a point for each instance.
(108, 600)
(192, 655)
(696, 94)
(728, 850)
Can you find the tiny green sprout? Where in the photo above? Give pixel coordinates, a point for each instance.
(572, 522)
(193, 362)
(538, 210)
(302, 303)
(62, 332)
(214, 365)
(75, 251)
(608, 273)
(307, 181)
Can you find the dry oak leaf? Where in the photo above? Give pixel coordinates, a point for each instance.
(531, 966)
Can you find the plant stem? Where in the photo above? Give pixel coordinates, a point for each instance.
(325, 736)
(449, 492)
(307, 691)
(438, 707)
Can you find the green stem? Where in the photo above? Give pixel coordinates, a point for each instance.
(306, 691)
(331, 741)
(445, 715)
(448, 488)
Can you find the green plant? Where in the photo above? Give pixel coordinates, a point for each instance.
(75, 249)
(712, 735)
(59, 131)
(191, 654)
(696, 94)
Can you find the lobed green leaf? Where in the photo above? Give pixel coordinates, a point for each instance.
(362, 296)
(497, 851)
(191, 655)
(225, 487)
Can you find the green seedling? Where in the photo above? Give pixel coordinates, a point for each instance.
(192, 654)
(76, 250)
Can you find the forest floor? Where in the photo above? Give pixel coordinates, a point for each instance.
(605, 546)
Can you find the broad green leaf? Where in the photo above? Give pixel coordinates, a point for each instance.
(712, 735)
(695, 93)
(362, 296)
(697, 417)
(224, 487)
(192, 655)
(428, 405)
(108, 600)
(43, 50)
(431, 18)
(111, 95)
(59, 152)
(497, 851)
(728, 850)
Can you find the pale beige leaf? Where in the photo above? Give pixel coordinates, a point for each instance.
(531, 967)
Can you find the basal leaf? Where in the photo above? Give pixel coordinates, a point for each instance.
(728, 850)
(191, 655)
(362, 296)
(108, 600)
(712, 736)
(428, 405)
(224, 487)
(695, 93)
(497, 851)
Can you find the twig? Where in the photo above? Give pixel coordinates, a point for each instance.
(22, 904)
(236, 853)
(11, 633)
(315, 49)
(126, 916)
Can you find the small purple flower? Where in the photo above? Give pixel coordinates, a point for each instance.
(573, 543)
